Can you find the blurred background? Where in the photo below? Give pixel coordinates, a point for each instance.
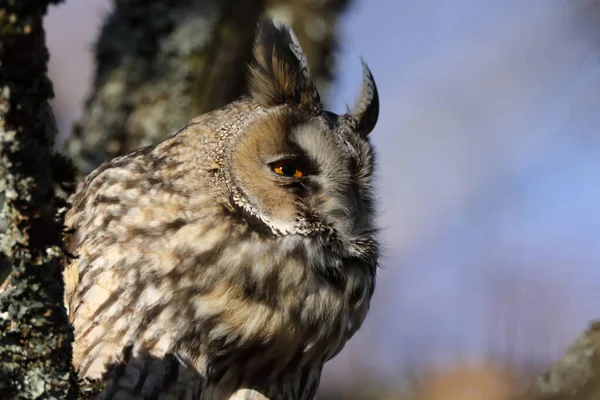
(489, 162)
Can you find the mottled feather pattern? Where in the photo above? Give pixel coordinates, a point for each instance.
(202, 274)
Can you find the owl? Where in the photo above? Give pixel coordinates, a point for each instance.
(236, 257)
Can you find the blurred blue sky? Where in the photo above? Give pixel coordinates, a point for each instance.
(489, 158)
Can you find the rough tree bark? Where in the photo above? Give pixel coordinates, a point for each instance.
(35, 337)
(576, 376)
(162, 63)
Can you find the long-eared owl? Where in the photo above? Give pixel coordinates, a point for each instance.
(238, 255)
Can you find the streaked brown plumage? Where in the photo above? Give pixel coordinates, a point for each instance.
(240, 253)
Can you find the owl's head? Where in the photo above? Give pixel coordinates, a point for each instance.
(297, 169)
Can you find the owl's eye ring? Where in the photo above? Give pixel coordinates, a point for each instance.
(287, 168)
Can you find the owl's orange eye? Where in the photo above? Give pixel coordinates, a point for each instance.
(287, 168)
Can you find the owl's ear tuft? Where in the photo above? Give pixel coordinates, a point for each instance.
(279, 72)
(366, 111)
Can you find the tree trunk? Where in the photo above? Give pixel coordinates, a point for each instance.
(35, 337)
(158, 64)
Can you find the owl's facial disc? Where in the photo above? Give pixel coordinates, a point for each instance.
(307, 176)
(330, 192)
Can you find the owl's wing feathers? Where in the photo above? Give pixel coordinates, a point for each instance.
(71, 278)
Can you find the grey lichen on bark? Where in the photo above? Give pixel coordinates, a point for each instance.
(159, 64)
(35, 336)
(576, 376)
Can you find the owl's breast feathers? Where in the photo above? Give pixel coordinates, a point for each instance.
(175, 294)
(173, 285)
